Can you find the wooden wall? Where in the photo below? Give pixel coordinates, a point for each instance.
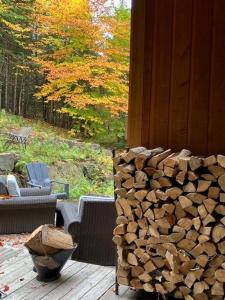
(177, 81)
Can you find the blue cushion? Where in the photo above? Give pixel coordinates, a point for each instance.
(12, 186)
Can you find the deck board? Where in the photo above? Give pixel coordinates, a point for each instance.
(79, 281)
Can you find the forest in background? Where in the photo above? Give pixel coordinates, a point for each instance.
(67, 62)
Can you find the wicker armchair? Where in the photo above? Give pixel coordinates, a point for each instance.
(24, 214)
(91, 224)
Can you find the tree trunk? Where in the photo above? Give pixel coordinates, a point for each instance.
(6, 82)
(15, 93)
(20, 97)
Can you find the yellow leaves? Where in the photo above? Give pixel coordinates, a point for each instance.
(82, 68)
(14, 27)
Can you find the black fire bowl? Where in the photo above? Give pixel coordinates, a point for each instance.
(48, 267)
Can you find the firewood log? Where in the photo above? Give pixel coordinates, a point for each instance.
(203, 185)
(213, 192)
(125, 207)
(192, 176)
(121, 192)
(189, 188)
(221, 160)
(210, 160)
(120, 229)
(180, 178)
(172, 162)
(165, 182)
(140, 195)
(174, 192)
(153, 162)
(132, 153)
(221, 182)
(195, 163)
(170, 172)
(132, 259)
(129, 183)
(216, 171)
(144, 156)
(185, 202)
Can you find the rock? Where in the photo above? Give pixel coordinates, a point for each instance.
(7, 161)
(80, 144)
(65, 169)
(90, 170)
(73, 143)
(95, 147)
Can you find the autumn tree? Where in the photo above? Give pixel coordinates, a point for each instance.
(86, 61)
(66, 61)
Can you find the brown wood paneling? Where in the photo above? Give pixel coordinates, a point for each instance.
(160, 96)
(216, 137)
(177, 87)
(137, 74)
(180, 75)
(200, 76)
(148, 63)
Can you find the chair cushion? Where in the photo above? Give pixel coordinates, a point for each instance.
(12, 186)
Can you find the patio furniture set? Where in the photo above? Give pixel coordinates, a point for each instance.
(90, 223)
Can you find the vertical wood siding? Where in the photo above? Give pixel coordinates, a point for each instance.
(177, 81)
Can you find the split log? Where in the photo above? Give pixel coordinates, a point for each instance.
(185, 202)
(132, 259)
(174, 192)
(180, 178)
(189, 188)
(144, 156)
(140, 195)
(221, 182)
(192, 176)
(195, 163)
(221, 160)
(210, 160)
(203, 185)
(172, 162)
(47, 239)
(132, 153)
(153, 162)
(129, 183)
(216, 171)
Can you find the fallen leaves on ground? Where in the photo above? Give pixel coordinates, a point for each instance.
(13, 240)
(5, 289)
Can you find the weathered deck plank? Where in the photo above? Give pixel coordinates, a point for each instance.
(79, 281)
(100, 288)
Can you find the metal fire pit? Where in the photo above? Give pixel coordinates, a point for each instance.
(48, 267)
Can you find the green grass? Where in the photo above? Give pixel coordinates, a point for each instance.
(48, 144)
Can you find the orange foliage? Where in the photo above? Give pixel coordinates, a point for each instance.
(75, 53)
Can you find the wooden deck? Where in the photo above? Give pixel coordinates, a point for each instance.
(78, 281)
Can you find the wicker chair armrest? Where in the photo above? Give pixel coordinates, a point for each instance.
(28, 202)
(33, 184)
(59, 182)
(24, 192)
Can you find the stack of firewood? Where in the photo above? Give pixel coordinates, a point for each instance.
(170, 232)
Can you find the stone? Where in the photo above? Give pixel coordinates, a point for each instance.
(62, 170)
(7, 162)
